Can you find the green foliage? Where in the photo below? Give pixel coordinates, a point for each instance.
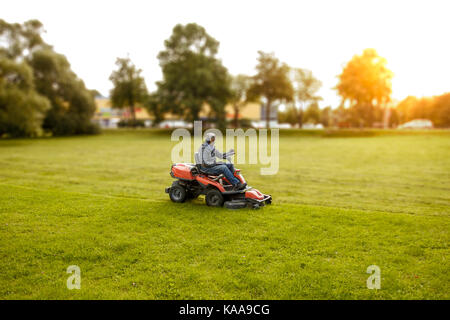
(436, 109)
(240, 86)
(241, 123)
(340, 205)
(305, 90)
(306, 86)
(325, 116)
(18, 40)
(129, 86)
(441, 111)
(50, 85)
(271, 82)
(312, 113)
(366, 83)
(154, 103)
(290, 115)
(365, 79)
(22, 109)
(192, 75)
(72, 104)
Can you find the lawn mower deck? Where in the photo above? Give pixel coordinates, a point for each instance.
(192, 182)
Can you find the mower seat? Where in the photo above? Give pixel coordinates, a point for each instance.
(198, 163)
(198, 166)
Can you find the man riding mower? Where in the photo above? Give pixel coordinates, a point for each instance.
(220, 182)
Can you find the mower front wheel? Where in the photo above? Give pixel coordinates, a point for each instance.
(214, 198)
(177, 194)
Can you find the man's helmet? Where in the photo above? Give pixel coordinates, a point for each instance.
(209, 136)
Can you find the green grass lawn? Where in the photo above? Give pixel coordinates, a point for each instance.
(342, 202)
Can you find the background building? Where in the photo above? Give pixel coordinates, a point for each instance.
(108, 117)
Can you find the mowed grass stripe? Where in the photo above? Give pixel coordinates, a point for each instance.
(157, 250)
(406, 173)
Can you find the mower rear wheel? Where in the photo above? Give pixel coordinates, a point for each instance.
(177, 194)
(214, 198)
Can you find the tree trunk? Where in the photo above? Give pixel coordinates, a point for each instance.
(386, 116)
(133, 115)
(268, 113)
(300, 116)
(195, 115)
(236, 116)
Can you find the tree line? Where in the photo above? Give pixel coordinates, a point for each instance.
(436, 109)
(365, 88)
(192, 76)
(40, 94)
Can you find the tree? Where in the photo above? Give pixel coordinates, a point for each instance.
(325, 116)
(129, 86)
(440, 113)
(340, 117)
(156, 105)
(393, 118)
(436, 109)
(20, 40)
(95, 93)
(405, 109)
(271, 82)
(290, 115)
(305, 90)
(240, 85)
(365, 83)
(192, 75)
(312, 113)
(72, 104)
(22, 109)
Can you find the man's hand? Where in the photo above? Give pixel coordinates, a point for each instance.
(231, 152)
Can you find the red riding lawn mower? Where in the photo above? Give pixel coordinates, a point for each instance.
(192, 182)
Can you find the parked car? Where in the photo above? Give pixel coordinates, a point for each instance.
(417, 124)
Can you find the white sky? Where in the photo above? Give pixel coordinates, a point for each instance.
(318, 35)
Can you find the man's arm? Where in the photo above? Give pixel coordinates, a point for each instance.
(221, 155)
